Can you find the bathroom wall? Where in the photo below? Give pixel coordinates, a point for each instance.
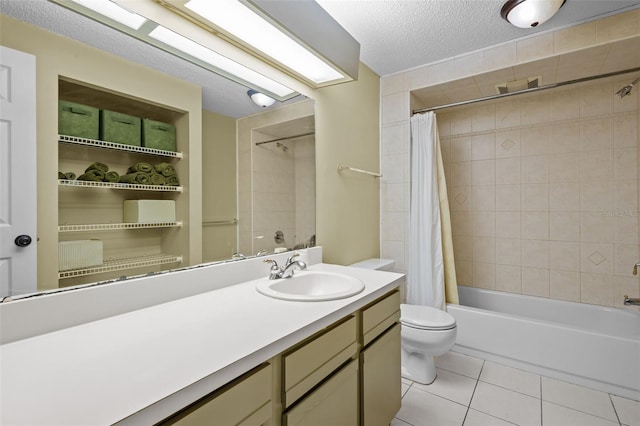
(543, 192)
(305, 188)
(219, 191)
(537, 214)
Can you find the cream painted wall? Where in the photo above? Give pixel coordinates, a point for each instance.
(219, 189)
(348, 204)
(58, 56)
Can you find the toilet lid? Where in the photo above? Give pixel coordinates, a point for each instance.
(426, 317)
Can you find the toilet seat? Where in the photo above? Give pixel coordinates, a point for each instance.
(426, 318)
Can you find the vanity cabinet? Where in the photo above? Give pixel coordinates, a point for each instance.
(245, 401)
(93, 210)
(380, 361)
(346, 374)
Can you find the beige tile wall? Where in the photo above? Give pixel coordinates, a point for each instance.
(541, 191)
(544, 193)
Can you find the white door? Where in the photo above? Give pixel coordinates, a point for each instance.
(18, 265)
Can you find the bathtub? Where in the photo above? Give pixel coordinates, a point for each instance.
(588, 345)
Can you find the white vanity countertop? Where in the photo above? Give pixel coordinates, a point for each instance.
(141, 366)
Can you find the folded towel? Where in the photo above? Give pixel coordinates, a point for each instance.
(141, 167)
(61, 175)
(141, 178)
(165, 169)
(92, 175)
(98, 166)
(111, 177)
(172, 181)
(70, 175)
(158, 179)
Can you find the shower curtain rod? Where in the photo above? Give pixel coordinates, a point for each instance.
(286, 138)
(520, 92)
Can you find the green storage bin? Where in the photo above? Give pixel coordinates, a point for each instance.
(119, 128)
(158, 135)
(78, 120)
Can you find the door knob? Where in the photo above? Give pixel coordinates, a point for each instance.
(23, 240)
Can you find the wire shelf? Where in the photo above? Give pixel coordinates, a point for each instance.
(117, 146)
(117, 226)
(111, 185)
(120, 264)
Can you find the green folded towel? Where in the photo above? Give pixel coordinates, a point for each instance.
(172, 181)
(157, 179)
(70, 175)
(165, 169)
(141, 167)
(92, 176)
(111, 177)
(136, 178)
(98, 166)
(61, 175)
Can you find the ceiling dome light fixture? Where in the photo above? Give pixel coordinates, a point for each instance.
(260, 99)
(530, 13)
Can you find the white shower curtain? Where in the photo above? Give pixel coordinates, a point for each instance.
(425, 278)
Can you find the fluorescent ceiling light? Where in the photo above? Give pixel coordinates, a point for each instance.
(208, 56)
(115, 12)
(242, 22)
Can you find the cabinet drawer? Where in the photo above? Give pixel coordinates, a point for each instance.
(305, 366)
(245, 401)
(333, 403)
(380, 315)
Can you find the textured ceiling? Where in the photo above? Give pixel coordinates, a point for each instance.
(395, 35)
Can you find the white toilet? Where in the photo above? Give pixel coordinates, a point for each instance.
(426, 332)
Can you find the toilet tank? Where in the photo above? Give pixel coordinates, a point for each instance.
(378, 264)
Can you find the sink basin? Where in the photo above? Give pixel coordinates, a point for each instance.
(311, 286)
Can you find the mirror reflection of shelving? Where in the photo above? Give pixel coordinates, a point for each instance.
(93, 210)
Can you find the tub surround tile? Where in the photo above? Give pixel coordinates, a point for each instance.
(564, 285)
(564, 255)
(508, 224)
(511, 378)
(452, 386)
(508, 114)
(483, 146)
(617, 27)
(573, 38)
(509, 278)
(506, 404)
(596, 289)
(564, 226)
(509, 251)
(535, 225)
(535, 47)
(535, 281)
(578, 398)
(557, 415)
(508, 198)
(484, 275)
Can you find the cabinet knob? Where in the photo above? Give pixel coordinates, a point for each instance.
(23, 240)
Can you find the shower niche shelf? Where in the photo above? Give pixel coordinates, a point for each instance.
(121, 264)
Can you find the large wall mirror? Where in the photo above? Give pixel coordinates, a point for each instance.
(258, 164)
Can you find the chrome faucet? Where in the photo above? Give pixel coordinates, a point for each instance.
(287, 270)
(631, 301)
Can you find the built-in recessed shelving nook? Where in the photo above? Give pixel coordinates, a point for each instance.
(93, 210)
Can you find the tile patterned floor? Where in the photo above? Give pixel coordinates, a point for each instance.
(473, 392)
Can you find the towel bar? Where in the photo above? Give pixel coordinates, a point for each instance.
(353, 169)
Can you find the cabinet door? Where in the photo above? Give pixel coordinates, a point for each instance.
(381, 381)
(245, 401)
(334, 403)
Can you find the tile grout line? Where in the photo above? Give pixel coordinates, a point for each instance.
(473, 393)
(615, 411)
